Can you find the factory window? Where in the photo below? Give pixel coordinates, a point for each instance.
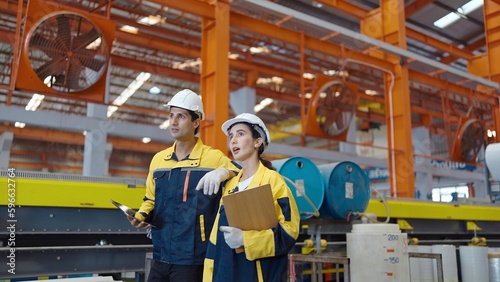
(448, 194)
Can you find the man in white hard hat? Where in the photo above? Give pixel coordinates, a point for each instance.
(181, 214)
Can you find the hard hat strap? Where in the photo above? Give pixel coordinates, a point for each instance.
(261, 133)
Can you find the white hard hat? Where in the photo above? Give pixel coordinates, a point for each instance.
(187, 99)
(251, 119)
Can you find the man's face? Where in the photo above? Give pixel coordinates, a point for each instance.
(181, 126)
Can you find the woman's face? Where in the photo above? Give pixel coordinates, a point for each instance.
(241, 142)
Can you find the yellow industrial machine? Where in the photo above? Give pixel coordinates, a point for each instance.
(65, 224)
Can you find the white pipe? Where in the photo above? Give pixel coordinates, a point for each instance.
(366, 39)
(391, 121)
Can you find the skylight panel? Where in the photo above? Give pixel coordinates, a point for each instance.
(461, 12)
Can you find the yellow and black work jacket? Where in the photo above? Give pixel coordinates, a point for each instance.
(182, 216)
(265, 256)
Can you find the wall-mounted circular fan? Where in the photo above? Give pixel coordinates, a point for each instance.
(67, 52)
(471, 139)
(335, 106)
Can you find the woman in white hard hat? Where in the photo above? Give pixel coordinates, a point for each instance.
(265, 255)
(182, 216)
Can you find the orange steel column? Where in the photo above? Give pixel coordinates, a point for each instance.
(215, 75)
(486, 64)
(492, 34)
(388, 24)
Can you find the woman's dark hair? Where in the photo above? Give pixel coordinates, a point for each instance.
(255, 135)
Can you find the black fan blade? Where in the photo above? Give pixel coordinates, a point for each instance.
(52, 67)
(90, 59)
(81, 41)
(64, 31)
(46, 46)
(72, 78)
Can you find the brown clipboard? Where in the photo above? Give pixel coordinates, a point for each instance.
(251, 209)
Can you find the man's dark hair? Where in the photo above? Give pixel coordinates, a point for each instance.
(194, 116)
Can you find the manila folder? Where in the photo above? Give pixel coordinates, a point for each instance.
(251, 209)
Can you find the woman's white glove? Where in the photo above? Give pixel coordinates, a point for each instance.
(233, 236)
(211, 181)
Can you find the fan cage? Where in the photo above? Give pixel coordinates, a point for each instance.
(335, 108)
(67, 52)
(472, 139)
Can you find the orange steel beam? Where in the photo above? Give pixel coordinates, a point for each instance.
(153, 68)
(471, 48)
(155, 43)
(346, 7)
(358, 12)
(154, 29)
(236, 20)
(247, 66)
(246, 22)
(476, 44)
(265, 29)
(64, 137)
(496, 122)
(203, 9)
(215, 75)
(361, 13)
(486, 97)
(387, 24)
(291, 36)
(491, 24)
(463, 53)
(416, 6)
(195, 7)
(8, 5)
(15, 55)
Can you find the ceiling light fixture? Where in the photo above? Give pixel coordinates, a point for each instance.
(317, 4)
(461, 12)
(155, 90)
(35, 102)
(308, 75)
(264, 103)
(19, 124)
(341, 73)
(269, 80)
(258, 50)
(129, 29)
(371, 92)
(492, 133)
(232, 56)
(146, 140)
(188, 63)
(150, 20)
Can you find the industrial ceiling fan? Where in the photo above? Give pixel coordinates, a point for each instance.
(64, 52)
(67, 52)
(331, 108)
